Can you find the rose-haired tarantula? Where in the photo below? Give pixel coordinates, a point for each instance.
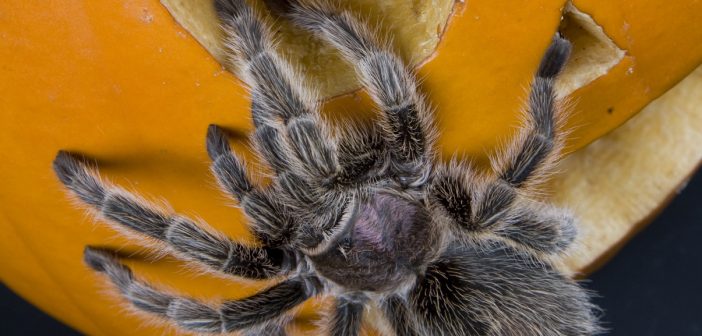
(367, 214)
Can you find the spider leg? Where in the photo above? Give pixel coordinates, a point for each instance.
(406, 117)
(182, 235)
(539, 226)
(360, 150)
(291, 204)
(290, 133)
(273, 328)
(399, 315)
(276, 92)
(476, 203)
(362, 154)
(196, 316)
(347, 317)
(278, 95)
(315, 208)
(472, 204)
(469, 201)
(271, 221)
(531, 155)
(271, 146)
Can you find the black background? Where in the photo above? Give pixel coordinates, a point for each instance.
(651, 287)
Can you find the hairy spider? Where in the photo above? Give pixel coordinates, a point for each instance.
(365, 214)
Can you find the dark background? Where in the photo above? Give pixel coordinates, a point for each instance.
(651, 287)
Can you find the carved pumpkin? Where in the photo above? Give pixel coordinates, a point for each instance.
(123, 82)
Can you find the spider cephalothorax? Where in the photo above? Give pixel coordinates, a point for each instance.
(367, 213)
(383, 245)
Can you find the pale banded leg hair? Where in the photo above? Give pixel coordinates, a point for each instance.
(280, 214)
(280, 96)
(272, 222)
(494, 204)
(126, 211)
(275, 328)
(281, 99)
(363, 154)
(290, 134)
(539, 226)
(405, 119)
(530, 158)
(346, 317)
(285, 115)
(255, 311)
(276, 90)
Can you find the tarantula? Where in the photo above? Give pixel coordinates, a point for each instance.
(366, 214)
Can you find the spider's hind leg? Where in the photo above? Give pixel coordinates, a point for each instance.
(475, 204)
(530, 157)
(539, 226)
(234, 315)
(400, 316)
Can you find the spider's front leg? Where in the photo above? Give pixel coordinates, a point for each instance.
(406, 122)
(290, 133)
(478, 204)
(180, 234)
(284, 110)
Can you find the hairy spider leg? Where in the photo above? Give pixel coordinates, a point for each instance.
(405, 119)
(290, 134)
(347, 317)
(478, 204)
(130, 213)
(271, 221)
(190, 314)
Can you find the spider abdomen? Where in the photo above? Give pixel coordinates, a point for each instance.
(491, 289)
(384, 244)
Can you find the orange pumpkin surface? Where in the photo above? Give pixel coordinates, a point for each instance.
(122, 82)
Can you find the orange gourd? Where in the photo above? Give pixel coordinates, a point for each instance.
(122, 82)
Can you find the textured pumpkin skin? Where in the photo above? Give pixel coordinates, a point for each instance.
(122, 83)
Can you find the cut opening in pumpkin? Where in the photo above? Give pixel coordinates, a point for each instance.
(416, 33)
(416, 29)
(593, 53)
